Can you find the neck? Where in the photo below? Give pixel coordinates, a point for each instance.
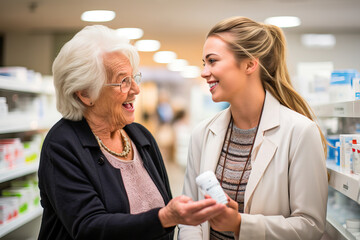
(102, 127)
(246, 110)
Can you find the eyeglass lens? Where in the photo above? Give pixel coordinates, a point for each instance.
(126, 82)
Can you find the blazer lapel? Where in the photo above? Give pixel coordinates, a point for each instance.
(262, 159)
(214, 142)
(264, 149)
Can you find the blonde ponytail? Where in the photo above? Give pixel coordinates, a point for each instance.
(249, 39)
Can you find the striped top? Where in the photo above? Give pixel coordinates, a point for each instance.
(239, 148)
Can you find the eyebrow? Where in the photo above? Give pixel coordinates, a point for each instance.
(208, 55)
(120, 74)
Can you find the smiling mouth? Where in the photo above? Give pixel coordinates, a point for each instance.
(212, 85)
(129, 105)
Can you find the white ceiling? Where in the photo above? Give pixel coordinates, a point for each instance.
(180, 26)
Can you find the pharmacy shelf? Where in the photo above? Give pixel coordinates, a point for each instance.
(339, 109)
(336, 230)
(16, 122)
(7, 174)
(12, 84)
(20, 221)
(346, 183)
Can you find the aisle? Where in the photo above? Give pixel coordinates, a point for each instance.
(176, 177)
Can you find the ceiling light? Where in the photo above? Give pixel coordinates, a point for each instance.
(318, 40)
(147, 45)
(177, 65)
(130, 33)
(284, 21)
(190, 72)
(164, 56)
(98, 16)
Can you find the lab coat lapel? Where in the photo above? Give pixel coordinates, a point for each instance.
(214, 142)
(264, 149)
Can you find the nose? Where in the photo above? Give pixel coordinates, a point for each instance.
(134, 89)
(205, 72)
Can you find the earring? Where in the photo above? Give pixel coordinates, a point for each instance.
(91, 103)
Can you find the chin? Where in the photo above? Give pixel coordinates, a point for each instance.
(129, 120)
(216, 99)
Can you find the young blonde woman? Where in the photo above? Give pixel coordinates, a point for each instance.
(265, 149)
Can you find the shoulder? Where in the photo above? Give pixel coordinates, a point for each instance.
(137, 129)
(60, 131)
(297, 126)
(139, 134)
(70, 135)
(294, 119)
(212, 122)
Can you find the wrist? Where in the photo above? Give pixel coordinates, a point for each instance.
(164, 218)
(237, 225)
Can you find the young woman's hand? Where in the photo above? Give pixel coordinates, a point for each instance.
(183, 210)
(228, 220)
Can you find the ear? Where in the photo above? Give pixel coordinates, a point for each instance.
(251, 65)
(84, 97)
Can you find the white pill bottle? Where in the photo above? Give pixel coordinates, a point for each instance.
(209, 184)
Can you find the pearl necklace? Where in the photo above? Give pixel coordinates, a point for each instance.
(125, 141)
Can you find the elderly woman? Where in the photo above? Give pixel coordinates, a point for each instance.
(101, 176)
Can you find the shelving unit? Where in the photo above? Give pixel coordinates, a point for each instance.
(12, 84)
(17, 122)
(339, 109)
(345, 183)
(20, 221)
(18, 171)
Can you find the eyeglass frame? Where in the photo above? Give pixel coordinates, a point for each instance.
(134, 77)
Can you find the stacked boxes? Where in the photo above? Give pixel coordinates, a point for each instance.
(14, 153)
(23, 196)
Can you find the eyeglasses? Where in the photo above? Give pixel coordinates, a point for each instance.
(125, 83)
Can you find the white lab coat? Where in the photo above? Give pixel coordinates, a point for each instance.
(286, 195)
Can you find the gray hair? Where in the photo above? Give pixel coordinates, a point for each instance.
(79, 66)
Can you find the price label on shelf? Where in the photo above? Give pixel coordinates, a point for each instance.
(346, 183)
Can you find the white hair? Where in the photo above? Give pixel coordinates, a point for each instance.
(79, 66)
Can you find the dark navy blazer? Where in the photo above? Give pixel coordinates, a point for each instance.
(84, 197)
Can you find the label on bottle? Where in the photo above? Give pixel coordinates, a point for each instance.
(209, 184)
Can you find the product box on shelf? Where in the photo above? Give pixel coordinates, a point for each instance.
(3, 107)
(11, 152)
(23, 193)
(356, 86)
(8, 208)
(31, 185)
(341, 85)
(332, 150)
(346, 151)
(16, 73)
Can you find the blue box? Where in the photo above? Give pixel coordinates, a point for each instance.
(331, 150)
(343, 76)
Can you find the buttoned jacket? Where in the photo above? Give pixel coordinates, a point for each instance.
(286, 194)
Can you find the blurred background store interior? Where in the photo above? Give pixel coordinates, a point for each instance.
(171, 102)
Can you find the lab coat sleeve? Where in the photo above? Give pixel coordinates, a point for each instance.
(307, 182)
(190, 189)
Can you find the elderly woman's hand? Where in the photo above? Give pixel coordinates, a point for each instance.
(183, 210)
(228, 220)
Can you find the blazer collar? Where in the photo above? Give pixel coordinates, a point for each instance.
(83, 131)
(270, 116)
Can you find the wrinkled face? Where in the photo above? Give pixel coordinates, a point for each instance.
(225, 76)
(117, 108)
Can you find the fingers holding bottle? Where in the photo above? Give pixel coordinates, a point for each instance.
(182, 210)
